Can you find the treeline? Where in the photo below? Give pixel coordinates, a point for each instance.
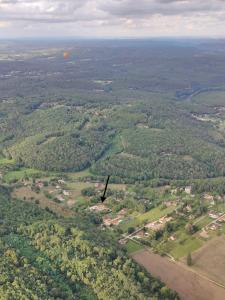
(215, 185)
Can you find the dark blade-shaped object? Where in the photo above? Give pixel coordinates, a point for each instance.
(103, 197)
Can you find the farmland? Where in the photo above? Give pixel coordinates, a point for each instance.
(209, 260)
(188, 284)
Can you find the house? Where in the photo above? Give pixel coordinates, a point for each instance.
(108, 221)
(66, 193)
(71, 202)
(141, 234)
(169, 203)
(174, 191)
(172, 238)
(60, 181)
(188, 190)
(122, 242)
(99, 208)
(99, 185)
(214, 226)
(122, 212)
(60, 198)
(213, 215)
(188, 208)
(208, 197)
(157, 225)
(222, 219)
(40, 184)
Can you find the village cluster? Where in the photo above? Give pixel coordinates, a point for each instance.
(176, 205)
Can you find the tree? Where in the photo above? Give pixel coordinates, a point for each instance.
(189, 259)
(131, 230)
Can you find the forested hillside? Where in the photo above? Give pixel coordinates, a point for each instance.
(69, 115)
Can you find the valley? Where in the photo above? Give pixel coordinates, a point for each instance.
(66, 125)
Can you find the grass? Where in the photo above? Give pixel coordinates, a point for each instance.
(202, 222)
(5, 161)
(189, 246)
(132, 246)
(184, 244)
(77, 175)
(20, 174)
(212, 98)
(152, 215)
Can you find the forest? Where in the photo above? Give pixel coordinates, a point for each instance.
(65, 263)
(82, 115)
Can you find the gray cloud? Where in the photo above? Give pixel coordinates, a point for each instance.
(119, 16)
(142, 8)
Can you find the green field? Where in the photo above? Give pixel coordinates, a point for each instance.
(5, 161)
(202, 221)
(152, 215)
(132, 246)
(77, 175)
(20, 174)
(210, 98)
(188, 245)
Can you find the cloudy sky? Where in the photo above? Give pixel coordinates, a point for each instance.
(110, 18)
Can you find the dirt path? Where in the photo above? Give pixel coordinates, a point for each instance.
(189, 285)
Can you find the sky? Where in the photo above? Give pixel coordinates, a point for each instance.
(112, 18)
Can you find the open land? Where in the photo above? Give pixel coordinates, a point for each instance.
(189, 285)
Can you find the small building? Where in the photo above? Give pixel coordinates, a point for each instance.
(122, 212)
(108, 221)
(174, 191)
(188, 190)
(169, 203)
(208, 197)
(61, 181)
(40, 184)
(99, 208)
(71, 202)
(157, 225)
(214, 226)
(141, 234)
(188, 208)
(60, 198)
(213, 215)
(66, 193)
(172, 238)
(122, 241)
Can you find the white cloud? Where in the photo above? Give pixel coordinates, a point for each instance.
(113, 17)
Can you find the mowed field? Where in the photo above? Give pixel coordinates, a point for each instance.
(189, 285)
(44, 202)
(210, 259)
